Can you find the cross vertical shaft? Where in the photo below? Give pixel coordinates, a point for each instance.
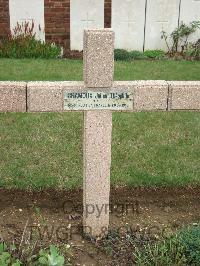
(98, 73)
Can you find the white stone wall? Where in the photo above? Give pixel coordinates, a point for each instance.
(84, 14)
(128, 19)
(28, 10)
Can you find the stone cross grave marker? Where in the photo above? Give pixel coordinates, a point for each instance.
(98, 96)
(98, 102)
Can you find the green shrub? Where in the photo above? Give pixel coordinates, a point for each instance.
(6, 257)
(180, 36)
(22, 43)
(121, 55)
(137, 55)
(47, 257)
(124, 55)
(154, 53)
(51, 257)
(193, 50)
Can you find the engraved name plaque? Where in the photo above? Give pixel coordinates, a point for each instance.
(97, 100)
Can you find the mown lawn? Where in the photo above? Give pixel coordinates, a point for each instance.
(28, 69)
(42, 150)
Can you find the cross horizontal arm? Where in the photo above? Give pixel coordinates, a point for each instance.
(143, 96)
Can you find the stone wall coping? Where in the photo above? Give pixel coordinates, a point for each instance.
(12, 83)
(115, 83)
(55, 83)
(184, 83)
(148, 95)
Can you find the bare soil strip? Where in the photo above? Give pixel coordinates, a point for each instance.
(52, 216)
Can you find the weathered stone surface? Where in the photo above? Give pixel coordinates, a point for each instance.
(98, 73)
(12, 96)
(44, 96)
(97, 161)
(48, 96)
(147, 95)
(185, 95)
(151, 95)
(98, 58)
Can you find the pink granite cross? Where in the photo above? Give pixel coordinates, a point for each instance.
(98, 96)
(98, 74)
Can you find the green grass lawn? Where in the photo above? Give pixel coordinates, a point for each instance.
(42, 150)
(28, 69)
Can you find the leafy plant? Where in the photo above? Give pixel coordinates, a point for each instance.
(136, 55)
(51, 257)
(124, 55)
(180, 36)
(22, 43)
(193, 50)
(9, 256)
(154, 53)
(6, 258)
(121, 55)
